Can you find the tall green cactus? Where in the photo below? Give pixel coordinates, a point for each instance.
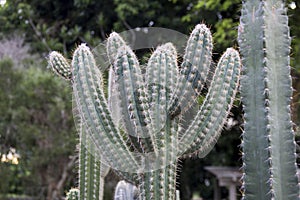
(268, 138)
(91, 171)
(141, 130)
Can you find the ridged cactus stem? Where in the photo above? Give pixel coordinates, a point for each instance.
(130, 108)
(91, 171)
(92, 106)
(60, 65)
(134, 105)
(204, 131)
(268, 138)
(159, 184)
(194, 69)
(161, 78)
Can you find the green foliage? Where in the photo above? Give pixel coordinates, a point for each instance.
(225, 32)
(8, 171)
(268, 138)
(36, 121)
(216, 4)
(74, 22)
(8, 78)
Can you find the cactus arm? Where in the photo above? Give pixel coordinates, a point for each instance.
(60, 65)
(91, 171)
(134, 102)
(114, 43)
(161, 77)
(194, 68)
(204, 131)
(118, 105)
(92, 107)
(255, 145)
(284, 180)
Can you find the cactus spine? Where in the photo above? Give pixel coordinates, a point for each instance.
(141, 130)
(268, 138)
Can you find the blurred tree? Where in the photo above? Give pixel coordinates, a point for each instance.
(36, 120)
(58, 25)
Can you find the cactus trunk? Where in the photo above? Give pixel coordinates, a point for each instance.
(91, 171)
(268, 138)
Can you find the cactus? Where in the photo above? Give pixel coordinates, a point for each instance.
(91, 171)
(268, 138)
(73, 194)
(60, 65)
(141, 130)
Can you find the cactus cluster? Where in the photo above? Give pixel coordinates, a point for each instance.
(146, 123)
(268, 140)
